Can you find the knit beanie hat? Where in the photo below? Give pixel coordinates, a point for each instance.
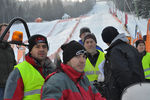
(139, 41)
(109, 33)
(71, 49)
(33, 40)
(84, 30)
(88, 36)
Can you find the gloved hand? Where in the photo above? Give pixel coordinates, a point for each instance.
(100, 77)
(101, 69)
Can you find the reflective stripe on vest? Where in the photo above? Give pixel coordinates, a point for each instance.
(91, 71)
(32, 81)
(147, 76)
(148, 69)
(98, 72)
(38, 91)
(145, 70)
(146, 65)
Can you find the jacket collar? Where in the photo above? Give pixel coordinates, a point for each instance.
(120, 38)
(73, 74)
(32, 61)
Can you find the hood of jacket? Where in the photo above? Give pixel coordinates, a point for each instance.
(119, 38)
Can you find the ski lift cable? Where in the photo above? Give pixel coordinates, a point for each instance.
(132, 14)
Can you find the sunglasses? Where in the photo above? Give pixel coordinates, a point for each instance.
(81, 52)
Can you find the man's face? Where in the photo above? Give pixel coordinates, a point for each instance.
(90, 45)
(39, 51)
(7, 34)
(78, 62)
(141, 47)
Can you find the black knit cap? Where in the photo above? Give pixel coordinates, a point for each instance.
(109, 33)
(139, 41)
(72, 49)
(33, 40)
(90, 35)
(84, 30)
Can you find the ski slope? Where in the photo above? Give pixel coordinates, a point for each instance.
(61, 31)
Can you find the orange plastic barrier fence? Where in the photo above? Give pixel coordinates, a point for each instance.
(148, 37)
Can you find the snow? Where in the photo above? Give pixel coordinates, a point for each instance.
(97, 19)
(132, 22)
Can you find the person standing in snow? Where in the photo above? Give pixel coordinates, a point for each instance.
(83, 32)
(70, 82)
(7, 59)
(27, 78)
(122, 66)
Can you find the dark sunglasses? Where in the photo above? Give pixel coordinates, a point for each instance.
(81, 52)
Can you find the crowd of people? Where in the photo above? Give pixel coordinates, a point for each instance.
(84, 73)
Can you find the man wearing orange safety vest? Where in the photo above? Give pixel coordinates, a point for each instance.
(94, 59)
(27, 78)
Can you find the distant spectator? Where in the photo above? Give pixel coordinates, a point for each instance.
(145, 58)
(94, 59)
(84, 31)
(140, 46)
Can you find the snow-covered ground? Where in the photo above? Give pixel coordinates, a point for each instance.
(132, 22)
(97, 19)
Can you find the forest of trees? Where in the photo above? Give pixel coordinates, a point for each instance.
(55, 9)
(49, 10)
(141, 8)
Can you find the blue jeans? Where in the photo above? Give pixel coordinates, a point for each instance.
(2, 93)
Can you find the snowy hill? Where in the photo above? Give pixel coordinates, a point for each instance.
(61, 31)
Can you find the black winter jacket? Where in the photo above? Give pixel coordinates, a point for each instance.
(122, 67)
(7, 61)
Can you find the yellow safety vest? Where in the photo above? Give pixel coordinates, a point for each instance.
(146, 65)
(32, 80)
(91, 71)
